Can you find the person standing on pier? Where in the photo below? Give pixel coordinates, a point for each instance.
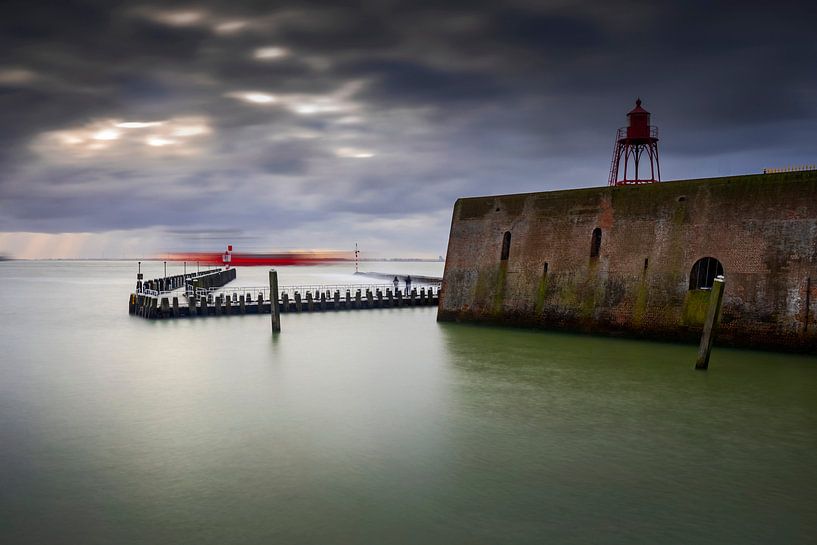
(408, 283)
(396, 283)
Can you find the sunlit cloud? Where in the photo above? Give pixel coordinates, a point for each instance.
(138, 124)
(180, 18)
(16, 76)
(158, 141)
(270, 53)
(196, 18)
(230, 27)
(124, 137)
(253, 97)
(354, 153)
(339, 102)
(106, 134)
(190, 130)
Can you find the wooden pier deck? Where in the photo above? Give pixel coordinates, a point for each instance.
(191, 298)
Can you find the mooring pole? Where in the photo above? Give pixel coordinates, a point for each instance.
(273, 301)
(710, 323)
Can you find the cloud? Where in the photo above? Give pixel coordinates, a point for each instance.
(316, 124)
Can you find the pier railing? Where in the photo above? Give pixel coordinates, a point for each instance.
(254, 291)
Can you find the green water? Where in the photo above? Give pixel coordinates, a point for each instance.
(381, 426)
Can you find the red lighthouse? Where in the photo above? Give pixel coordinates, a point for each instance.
(636, 141)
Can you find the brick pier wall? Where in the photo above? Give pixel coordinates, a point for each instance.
(762, 229)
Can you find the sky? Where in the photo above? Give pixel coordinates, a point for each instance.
(135, 128)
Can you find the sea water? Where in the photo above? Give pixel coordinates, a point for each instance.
(380, 426)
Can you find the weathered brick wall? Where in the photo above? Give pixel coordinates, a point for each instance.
(762, 228)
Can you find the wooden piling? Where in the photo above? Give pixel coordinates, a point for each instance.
(175, 307)
(370, 298)
(310, 302)
(285, 302)
(273, 301)
(357, 299)
(336, 300)
(323, 301)
(298, 304)
(710, 323)
(242, 308)
(203, 306)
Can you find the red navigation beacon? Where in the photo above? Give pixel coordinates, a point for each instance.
(634, 142)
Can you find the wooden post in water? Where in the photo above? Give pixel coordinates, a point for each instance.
(710, 323)
(273, 301)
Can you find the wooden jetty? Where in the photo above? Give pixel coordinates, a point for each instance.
(204, 295)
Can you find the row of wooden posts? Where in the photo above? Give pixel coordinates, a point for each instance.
(206, 278)
(164, 306)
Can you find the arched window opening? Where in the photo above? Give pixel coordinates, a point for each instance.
(595, 243)
(703, 273)
(506, 246)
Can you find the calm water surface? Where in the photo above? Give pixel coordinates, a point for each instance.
(380, 427)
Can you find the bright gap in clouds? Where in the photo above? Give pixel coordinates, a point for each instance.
(254, 97)
(270, 53)
(112, 135)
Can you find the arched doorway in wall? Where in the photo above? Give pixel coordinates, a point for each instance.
(703, 273)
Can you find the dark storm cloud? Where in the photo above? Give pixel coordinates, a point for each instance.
(378, 111)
